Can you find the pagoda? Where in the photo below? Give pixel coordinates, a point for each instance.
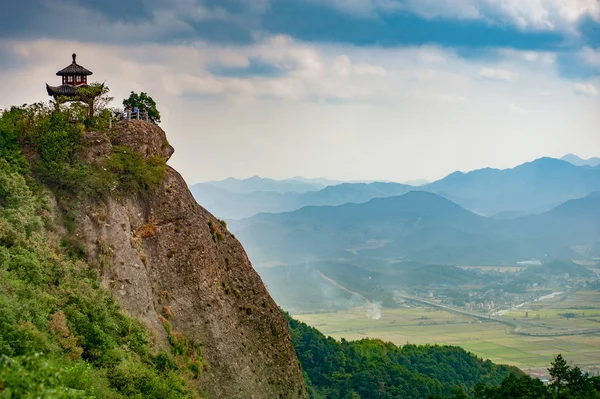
(73, 77)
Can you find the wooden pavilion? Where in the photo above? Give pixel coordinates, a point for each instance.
(73, 77)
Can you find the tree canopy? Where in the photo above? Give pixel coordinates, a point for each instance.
(143, 101)
(371, 368)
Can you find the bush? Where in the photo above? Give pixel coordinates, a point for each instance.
(133, 172)
(61, 334)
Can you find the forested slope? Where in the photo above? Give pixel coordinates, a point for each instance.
(371, 368)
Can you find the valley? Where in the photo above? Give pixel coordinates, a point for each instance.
(529, 345)
(501, 263)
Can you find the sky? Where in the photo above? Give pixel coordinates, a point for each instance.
(345, 89)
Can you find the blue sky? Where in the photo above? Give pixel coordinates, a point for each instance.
(346, 89)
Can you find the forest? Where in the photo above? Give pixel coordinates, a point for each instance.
(373, 369)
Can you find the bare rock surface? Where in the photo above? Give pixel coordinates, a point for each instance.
(166, 257)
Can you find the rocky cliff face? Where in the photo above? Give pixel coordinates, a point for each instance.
(172, 264)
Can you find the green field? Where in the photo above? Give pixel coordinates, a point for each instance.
(488, 339)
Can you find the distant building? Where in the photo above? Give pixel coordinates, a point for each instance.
(73, 77)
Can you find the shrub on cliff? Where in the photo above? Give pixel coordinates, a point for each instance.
(61, 334)
(53, 139)
(133, 172)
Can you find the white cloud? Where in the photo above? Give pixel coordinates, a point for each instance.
(586, 89)
(516, 109)
(545, 15)
(355, 112)
(369, 70)
(497, 74)
(534, 57)
(439, 97)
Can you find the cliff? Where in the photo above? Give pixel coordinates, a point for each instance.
(174, 266)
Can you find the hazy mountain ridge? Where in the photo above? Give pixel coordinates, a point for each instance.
(419, 226)
(575, 160)
(532, 187)
(257, 183)
(230, 205)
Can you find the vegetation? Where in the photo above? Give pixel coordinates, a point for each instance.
(53, 140)
(567, 382)
(61, 334)
(371, 368)
(143, 101)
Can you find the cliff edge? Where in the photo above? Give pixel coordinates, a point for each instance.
(173, 265)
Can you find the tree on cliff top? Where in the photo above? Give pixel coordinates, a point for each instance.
(143, 101)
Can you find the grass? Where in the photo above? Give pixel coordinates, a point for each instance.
(489, 340)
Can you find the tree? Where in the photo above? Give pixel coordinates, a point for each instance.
(143, 101)
(513, 387)
(559, 374)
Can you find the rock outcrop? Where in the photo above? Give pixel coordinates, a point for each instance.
(167, 259)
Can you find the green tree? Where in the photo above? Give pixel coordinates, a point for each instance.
(559, 374)
(514, 387)
(143, 101)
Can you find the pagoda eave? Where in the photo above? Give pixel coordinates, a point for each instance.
(62, 90)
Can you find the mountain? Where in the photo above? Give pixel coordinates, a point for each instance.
(114, 282)
(420, 226)
(577, 161)
(257, 183)
(410, 222)
(229, 205)
(416, 183)
(532, 187)
(316, 180)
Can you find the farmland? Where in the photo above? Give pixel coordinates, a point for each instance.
(566, 324)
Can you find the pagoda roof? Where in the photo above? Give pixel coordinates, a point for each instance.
(73, 69)
(62, 90)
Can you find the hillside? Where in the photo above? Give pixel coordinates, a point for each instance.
(532, 187)
(371, 368)
(419, 226)
(115, 282)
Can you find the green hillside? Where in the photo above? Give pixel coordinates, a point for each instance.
(371, 368)
(61, 334)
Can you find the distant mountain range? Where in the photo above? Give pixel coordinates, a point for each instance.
(420, 226)
(575, 160)
(228, 205)
(256, 183)
(533, 187)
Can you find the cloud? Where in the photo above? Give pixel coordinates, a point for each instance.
(439, 97)
(534, 57)
(527, 15)
(586, 89)
(516, 109)
(497, 74)
(291, 100)
(364, 22)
